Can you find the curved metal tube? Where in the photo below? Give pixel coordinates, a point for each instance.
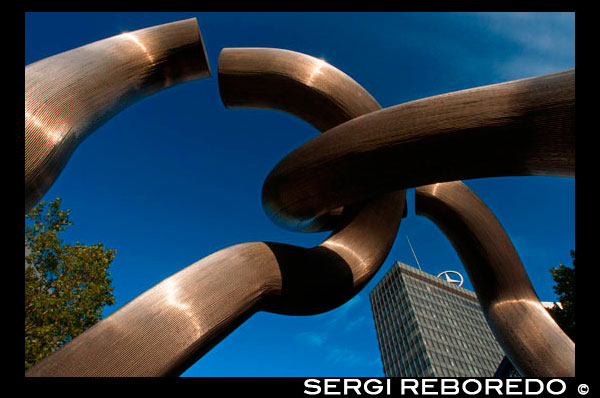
(532, 340)
(523, 127)
(167, 328)
(289, 81)
(323, 96)
(299, 84)
(69, 95)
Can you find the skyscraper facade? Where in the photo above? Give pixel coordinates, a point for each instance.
(427, 326)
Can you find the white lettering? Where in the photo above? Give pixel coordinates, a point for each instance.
(425, 383)
(347, 386)
(489, 386)
(377, 390)
(449, 389)
(308, 384)
(404, 387)
(464, 388)
(512, 383)
(528, 390)
(331, 383)
(564, 386)
(510, 386)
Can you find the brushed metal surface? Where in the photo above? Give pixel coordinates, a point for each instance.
(296, 83)
(71, 94)
(289, 81)
(322, 95)
(350, 179)
(532, 340)
(170, 326)
(522, 127)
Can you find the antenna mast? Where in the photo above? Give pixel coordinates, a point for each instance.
(413, 252)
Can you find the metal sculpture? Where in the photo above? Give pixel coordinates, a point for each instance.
(522, 127)
(167, 328)
(535, 344)
(71, 94)
(443, 138)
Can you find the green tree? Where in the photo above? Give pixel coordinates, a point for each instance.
(565, 288)
(66, 286)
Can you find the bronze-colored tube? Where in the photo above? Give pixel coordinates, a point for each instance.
(165, 329)
(170, 326)
(522, 127)
(532, 340)
(323, 96)
(70, 95)
(265, 78)
(305, 86)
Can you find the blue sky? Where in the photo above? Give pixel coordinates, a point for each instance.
(177, 176)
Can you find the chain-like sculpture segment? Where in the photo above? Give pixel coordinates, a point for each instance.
(69, 95)
(524, 127)
(529, 336)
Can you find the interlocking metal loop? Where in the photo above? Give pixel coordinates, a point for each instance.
(167, 328)
(353, 185)
(522, 127)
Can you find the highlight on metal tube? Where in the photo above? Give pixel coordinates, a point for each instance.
(71, 94)
(531, 339)
(323, 96)
(296, 83)
(293, 82)
(518, 128)
(170, 326)
(351, 180)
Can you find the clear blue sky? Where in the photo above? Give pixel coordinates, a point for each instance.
(177, 176)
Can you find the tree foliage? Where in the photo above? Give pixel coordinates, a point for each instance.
(565, 288)
(66, 286)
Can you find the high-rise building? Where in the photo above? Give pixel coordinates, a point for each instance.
(427, 326)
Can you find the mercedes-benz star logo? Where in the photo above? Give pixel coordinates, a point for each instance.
(450, 279)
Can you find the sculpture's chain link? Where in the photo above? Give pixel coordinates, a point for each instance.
(383, 152)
